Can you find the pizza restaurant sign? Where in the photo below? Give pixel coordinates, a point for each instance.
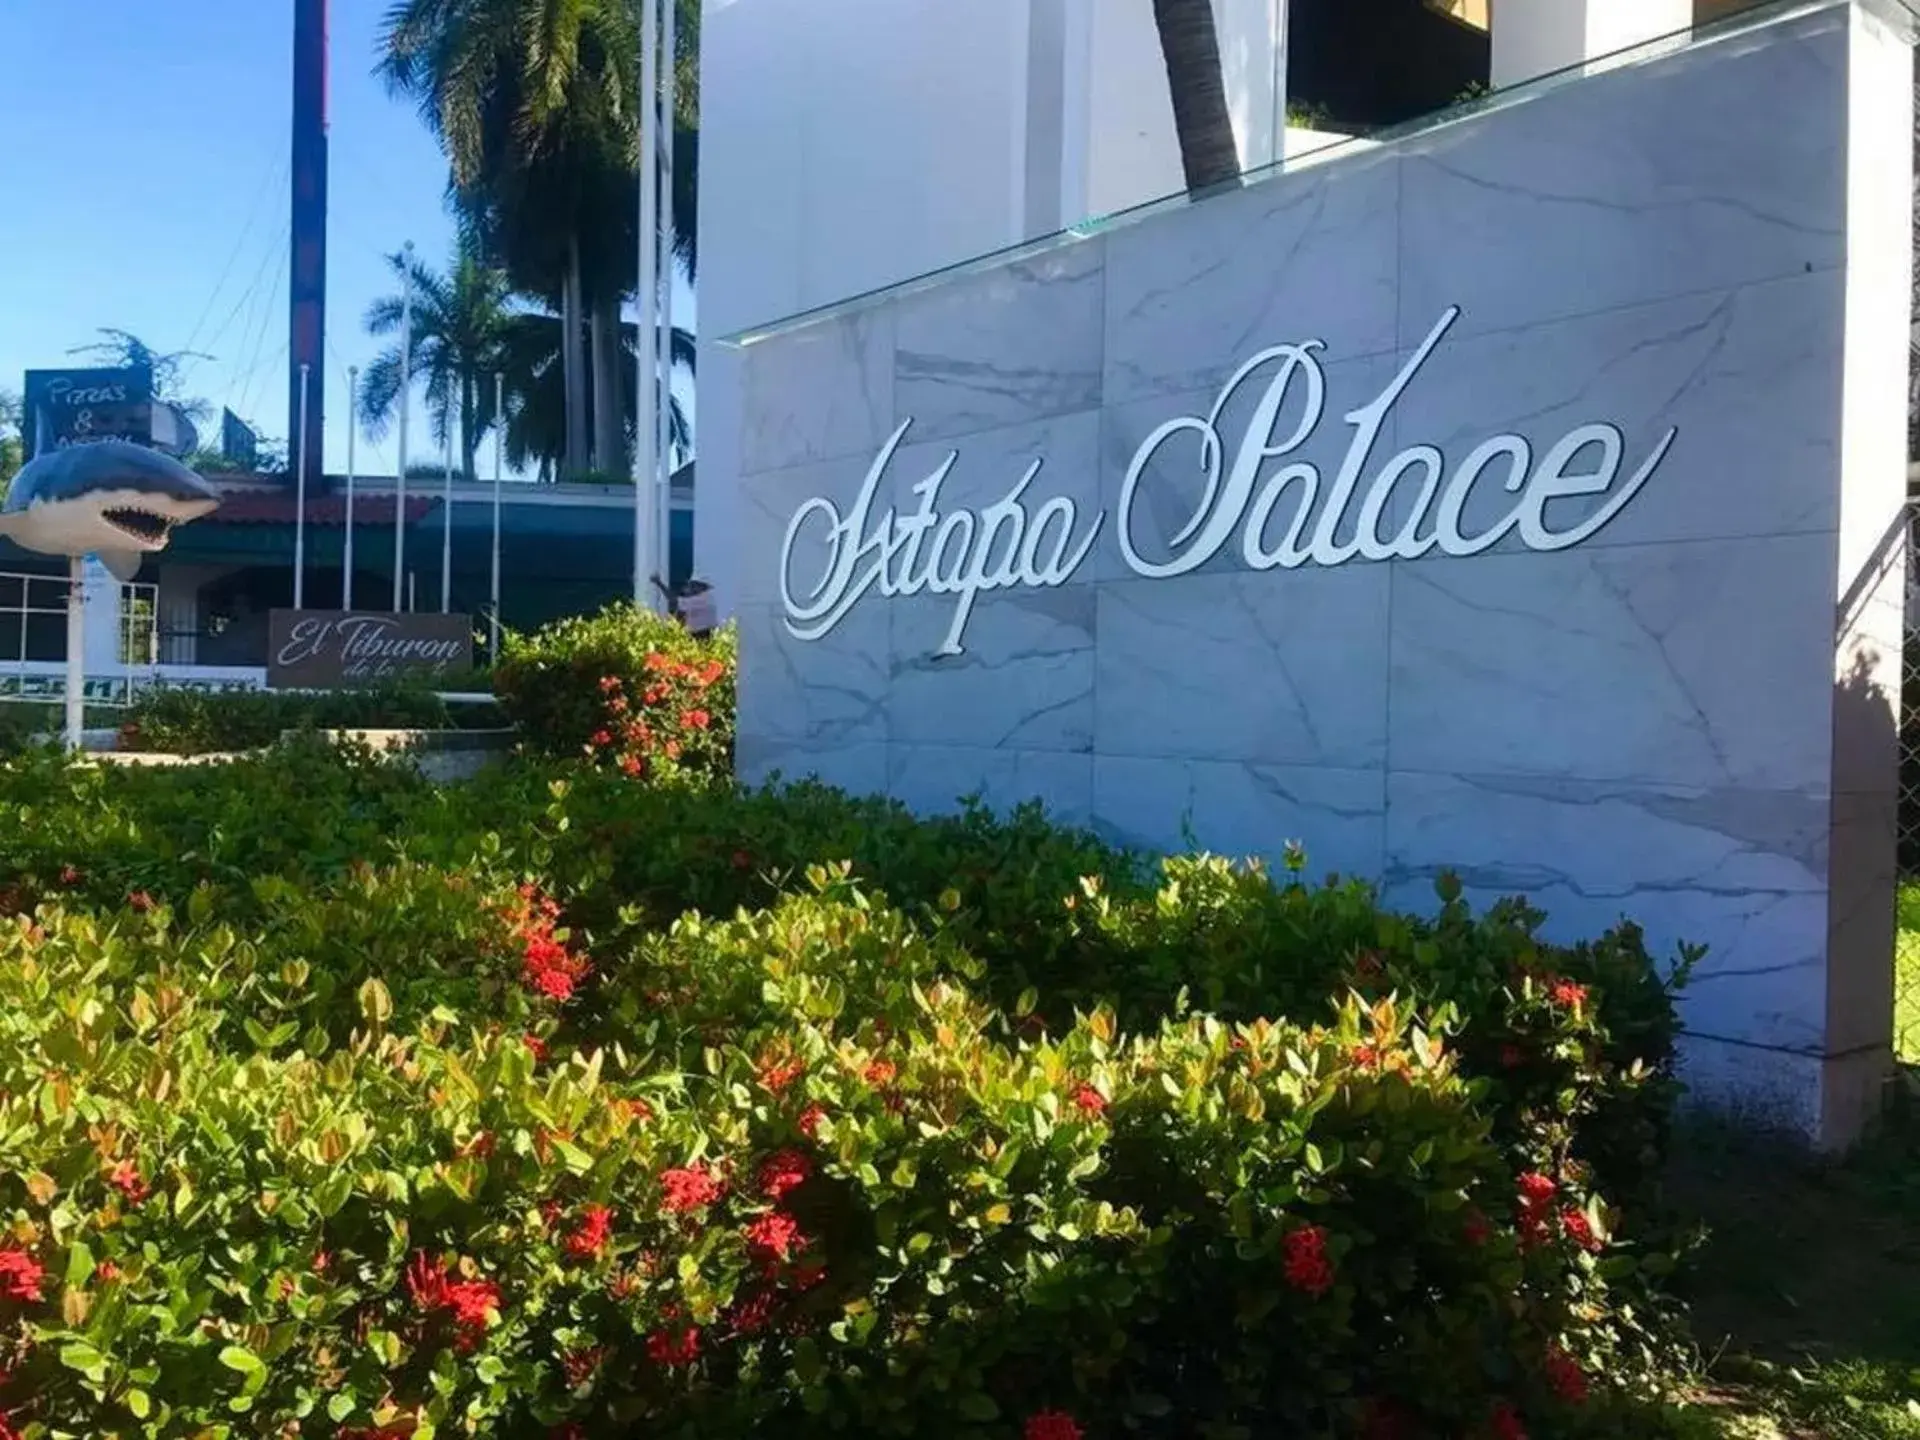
(323, 648)
(966, 553)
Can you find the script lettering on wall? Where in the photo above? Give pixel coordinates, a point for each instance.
(327, 648)
(967, 553)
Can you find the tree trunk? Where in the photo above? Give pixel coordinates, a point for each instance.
(1191, 48)
(609, 410)
(468, 417)
(573, 375)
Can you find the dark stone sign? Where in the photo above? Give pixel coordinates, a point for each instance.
(323, 649)
(75, 407)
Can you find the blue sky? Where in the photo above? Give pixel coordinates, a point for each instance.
(143, 165)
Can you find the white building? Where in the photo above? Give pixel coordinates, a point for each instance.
(848, 145)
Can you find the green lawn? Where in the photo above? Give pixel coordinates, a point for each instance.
(1806, 1294)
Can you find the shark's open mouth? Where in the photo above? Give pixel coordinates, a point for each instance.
(142, 525)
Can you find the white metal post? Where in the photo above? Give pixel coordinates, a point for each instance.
(663, 503)
(353, 429)
(499, 466)
(406, 404)
(446, 524)
(300, 502)
(76, 649)
(646, 391)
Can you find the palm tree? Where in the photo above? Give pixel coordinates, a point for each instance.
(536, 398)
(1191, 48)
(460, 322)
(535, 103)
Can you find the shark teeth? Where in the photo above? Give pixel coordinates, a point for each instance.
(143, 525)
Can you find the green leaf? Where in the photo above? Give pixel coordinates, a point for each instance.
(79, 1264)
(79, 1355)
(139, 1404)
(376, 1002)
(343, 1404)
(238, 1357)
(978, 1405)
(807, 1365)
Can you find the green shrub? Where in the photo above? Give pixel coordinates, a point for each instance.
(197, 722)
(628, 689)
(858, 1206)
(255, 978)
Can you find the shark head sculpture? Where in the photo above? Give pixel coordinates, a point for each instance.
(112, 499)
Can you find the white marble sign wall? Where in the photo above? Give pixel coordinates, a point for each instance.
(1663, 720)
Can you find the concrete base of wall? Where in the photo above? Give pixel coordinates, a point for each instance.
(1829, 1101)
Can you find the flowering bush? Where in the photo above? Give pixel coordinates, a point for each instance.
(628, 689)
(888, 1217)
(334, 1104)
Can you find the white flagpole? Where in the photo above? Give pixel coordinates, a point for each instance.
(499, 467)
(300, 503)
(353, 429)
(663, 504)
(446, 524)
(76, 696)
(406, 405)
(646, 390)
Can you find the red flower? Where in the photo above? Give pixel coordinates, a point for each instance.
(810, 1118)
(674, 1347)
(568, 1431)
(654, 694)
(708, 673)
(1384, 1420)
(322, 1262)
(632, 766)
(125, 1177)
(590, 1237)
(7, 1432)
(672, 747)
(549, 968)
(609, 684)
(69, 876)
(1506, 1423)
(695, 720)
(1512, 1056)
(601, 739)
(777, 1076)
(1306, 1265)
(750, 1316)
(140, 902)
(579, 1365)
(1565, 1376)
(880, 1074)
(107, 1272)
(1475, 1229)
(20, 1276)
(471, 1301)
(536, 1045)
(1567, 993)
(1052, 1425)
(775, 1235)
(784, 1170)
(688, 1189)
(1089, 1101)
(1536, 1190)
(656, 662)
(1366, 1057)
(1579, 1230)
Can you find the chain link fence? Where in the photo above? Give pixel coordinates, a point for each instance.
(1906, 962)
